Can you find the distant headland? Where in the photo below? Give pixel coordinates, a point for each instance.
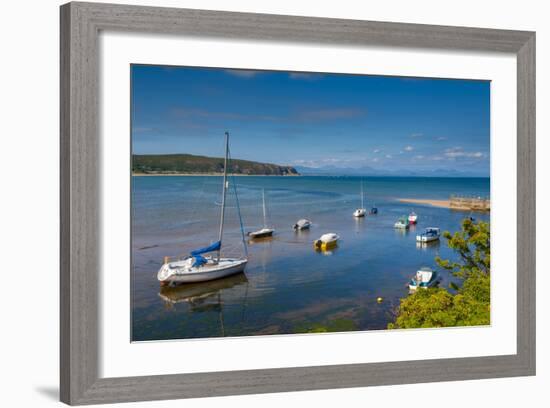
(188, 164)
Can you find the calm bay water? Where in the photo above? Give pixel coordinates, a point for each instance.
(287, 287)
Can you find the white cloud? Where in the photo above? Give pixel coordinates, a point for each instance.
(376, 150)
(440, 138)
(389, 156)
(415, 135)
(408, 148)
(459, 152)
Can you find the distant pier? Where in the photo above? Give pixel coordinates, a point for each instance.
(465, 203)
(455, 202)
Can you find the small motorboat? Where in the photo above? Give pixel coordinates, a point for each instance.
(401, 223)
(374, 210)
(413, 218)
(302, 224)
(362, 211)
(424, 278)
(430, 234)
(326, 241)
(265, 232)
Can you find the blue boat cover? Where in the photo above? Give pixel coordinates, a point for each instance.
(212, 247)
(199, 260)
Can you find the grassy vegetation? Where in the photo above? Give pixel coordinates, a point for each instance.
(190, 164)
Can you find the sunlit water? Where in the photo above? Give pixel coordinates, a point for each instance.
(287, 287)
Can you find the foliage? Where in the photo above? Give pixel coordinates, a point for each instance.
(472, 243)
(470, 306)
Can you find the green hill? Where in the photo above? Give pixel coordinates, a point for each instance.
(190, 164)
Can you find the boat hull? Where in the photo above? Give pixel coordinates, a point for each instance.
(326, 243)
(262, 234)
(422, 238)
(361, 212)
(401, 226)
(174, 275)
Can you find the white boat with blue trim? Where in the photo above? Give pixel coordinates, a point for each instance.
(424, 278)
(430, 234)
(302, 224)
(199, 268)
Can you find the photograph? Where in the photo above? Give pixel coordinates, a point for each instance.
(301, 203)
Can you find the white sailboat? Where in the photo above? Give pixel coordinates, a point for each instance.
(197, 268)
(361, 212)
(265, 231)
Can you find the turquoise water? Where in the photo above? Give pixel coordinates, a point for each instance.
(287, 286)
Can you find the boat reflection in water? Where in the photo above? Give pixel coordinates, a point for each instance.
(198, 293)
(432, 245)
(205, 296)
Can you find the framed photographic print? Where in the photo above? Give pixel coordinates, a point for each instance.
(291, 203)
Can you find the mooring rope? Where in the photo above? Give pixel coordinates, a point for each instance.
(238, 208)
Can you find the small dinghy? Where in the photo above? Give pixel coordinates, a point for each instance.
(302, 224)
(429, 235)
(326, 241)
(374, 210)
(196, 267)
(413, 218)
(360, 212)
(401, 223)
(424, 278)
(265, 232)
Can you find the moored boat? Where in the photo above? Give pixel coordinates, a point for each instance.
(424, 278)
(401, 223)
(430, 234)
(199, 268)
(362, 211)
(302, 224)
(413, 218)
(326, 241)
(265, 232)
(374, 209)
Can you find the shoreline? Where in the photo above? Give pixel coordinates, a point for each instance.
(458, 204)
(433, 203)
(212, 175)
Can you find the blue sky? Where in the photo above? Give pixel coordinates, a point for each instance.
(313, 120)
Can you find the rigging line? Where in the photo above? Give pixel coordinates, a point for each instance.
(238, 208)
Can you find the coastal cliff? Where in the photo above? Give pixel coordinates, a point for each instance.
(152, 164)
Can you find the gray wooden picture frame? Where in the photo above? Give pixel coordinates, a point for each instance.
(81, 24)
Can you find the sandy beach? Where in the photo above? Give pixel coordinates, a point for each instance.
(435, 203)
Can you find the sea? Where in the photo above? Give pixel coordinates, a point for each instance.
(288, 287)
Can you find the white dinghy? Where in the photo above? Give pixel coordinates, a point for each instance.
(199, 268)
(302, 224)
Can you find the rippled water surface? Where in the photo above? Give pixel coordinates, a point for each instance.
(287, 287)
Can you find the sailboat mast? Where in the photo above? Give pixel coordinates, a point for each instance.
(362, 198)
(263, 206)
(224, 191)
